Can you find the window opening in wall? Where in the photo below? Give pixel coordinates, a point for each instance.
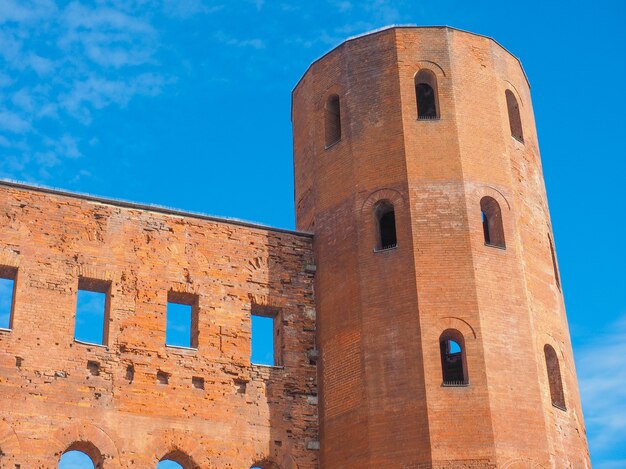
(554, 377)
(182, 320)
(426, 95)
(493, 230)
(7, 295)
(163, 377)
(92, 311)
(515, 121)
(176, 460)
(453, 362)
(386, 225)
(333, 120)
(197, 382)
(557, 279)
(168, 464)
(81, 454)
(266, 338)
(74, 459)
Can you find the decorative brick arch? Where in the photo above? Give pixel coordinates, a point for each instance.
(267, 463)
(91, 440)
(480, 191)
(392, 195)
(180, 447)
(464, 327)
(510, 86)
(9, 443)
(430, 65)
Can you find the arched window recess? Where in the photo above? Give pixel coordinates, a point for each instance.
(453, 359)
(426, 95)
(555, 268)
(515, 120)
(554, 377)
(332, 124)
(82, 454)
(385, 216)
(493, 229)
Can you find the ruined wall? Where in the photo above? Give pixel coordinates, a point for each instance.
(51, 400)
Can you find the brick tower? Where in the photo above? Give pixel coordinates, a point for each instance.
(440, 321)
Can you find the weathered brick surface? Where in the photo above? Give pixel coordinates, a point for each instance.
(384, 311)
(50, 400)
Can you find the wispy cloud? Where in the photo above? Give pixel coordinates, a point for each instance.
(602, 375)
(60, 65)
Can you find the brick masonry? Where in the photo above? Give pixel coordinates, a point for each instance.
(388, 408)
(52, 400)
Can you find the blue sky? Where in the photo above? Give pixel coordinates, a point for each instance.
(186, 103)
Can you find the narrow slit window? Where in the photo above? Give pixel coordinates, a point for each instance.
(182, 320)
(266, 338)
(426, 95)
(554, 377)
(7, 296)
(515, 120)
(92, 311)
(386, 225)
(557, 279)
(333, 120)
(493, 230)
(453, 361)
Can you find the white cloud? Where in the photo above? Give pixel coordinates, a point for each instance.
(60, 65)
(602, 376)
(13, 122)
(254, 43)
(184, 9)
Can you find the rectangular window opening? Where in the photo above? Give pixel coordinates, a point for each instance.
(7, 296)
(197, 382)
(92, 311)
(266, 338)
(182, 320)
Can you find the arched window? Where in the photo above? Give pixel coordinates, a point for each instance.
(333, 120)
(386, 225)
(554, 377)
(492, 222)
(73, 459)
(453, 362)
(177, 460)
(168, 464)
(426, 95)
(266, 464)
(81, 454)
(554, 266)
(515, 121)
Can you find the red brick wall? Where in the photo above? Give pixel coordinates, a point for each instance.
(50, 400)
(383, 312)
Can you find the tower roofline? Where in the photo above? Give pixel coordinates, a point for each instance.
(408, 26)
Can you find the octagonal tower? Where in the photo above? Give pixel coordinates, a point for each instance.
(440, 320)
